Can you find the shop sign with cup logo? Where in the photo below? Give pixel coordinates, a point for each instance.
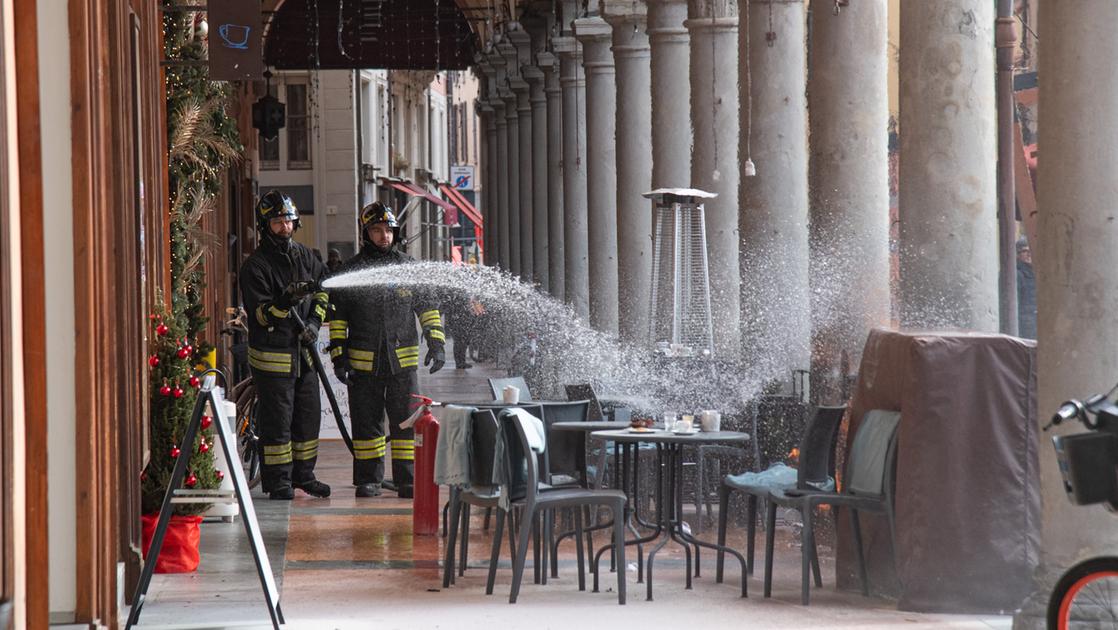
(235, 38)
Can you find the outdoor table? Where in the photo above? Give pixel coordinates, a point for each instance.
(669, 522)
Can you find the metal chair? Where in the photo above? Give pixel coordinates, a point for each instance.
(816, 466)
(870, 488)
(533, 503)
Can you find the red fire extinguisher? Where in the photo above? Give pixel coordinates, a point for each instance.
(425, 506)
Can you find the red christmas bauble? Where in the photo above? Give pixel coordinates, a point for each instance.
(194, 382)
(162, 330)
(153, 360)
(177, 392)
(165, 390)
(143, 475)
(207, 422)
(220, 475)
(183, 352)
(175, 452)
(203, 447)
(191, 481)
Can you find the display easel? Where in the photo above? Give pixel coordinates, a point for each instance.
(209, 395)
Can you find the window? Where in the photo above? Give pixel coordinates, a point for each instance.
(298, 128)
(270, 149)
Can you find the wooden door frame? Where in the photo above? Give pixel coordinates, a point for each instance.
(7, 544)
(33, 306)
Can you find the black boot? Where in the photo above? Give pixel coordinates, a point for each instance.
(367, 490)
(284, 493)
(405, 492)
(315, 488)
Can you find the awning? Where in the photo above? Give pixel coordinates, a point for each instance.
(463, 204)
(415, 191)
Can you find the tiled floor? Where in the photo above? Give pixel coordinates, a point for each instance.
(354, 563)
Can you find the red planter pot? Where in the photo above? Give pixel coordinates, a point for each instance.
(180, 546)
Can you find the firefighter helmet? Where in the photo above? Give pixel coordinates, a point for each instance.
(275, 205)
(377, 212)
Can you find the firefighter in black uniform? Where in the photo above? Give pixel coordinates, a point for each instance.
(275, 282)
(375, 349)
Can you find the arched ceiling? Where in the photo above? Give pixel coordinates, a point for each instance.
(395, 34)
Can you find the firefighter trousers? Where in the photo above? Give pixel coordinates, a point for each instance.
(288, 417)
(370, 397)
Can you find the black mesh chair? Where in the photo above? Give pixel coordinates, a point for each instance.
(816, 467)
(868, 487)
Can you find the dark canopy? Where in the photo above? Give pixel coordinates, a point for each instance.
(395, 34)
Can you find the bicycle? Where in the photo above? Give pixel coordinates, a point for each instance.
(1087, 593)
(243, 394)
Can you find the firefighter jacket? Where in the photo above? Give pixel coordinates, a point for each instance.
(273, 334)
(370, 321)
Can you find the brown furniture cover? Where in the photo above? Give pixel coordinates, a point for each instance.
(968, 489)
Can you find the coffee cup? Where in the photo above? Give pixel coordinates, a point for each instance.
(510, 395)
(710, 420)
(684, 425)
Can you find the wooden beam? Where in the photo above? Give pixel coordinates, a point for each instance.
(33, 300)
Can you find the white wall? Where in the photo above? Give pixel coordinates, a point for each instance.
(54, 104)
(336, 170)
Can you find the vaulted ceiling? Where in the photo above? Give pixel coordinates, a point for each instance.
(396, 34)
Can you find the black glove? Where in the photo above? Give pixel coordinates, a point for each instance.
(309, 336)
(342, 369)
(295, 292)
(436, 358)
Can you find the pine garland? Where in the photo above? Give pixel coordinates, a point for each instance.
(202, 141)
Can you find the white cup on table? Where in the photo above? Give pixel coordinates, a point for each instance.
(710, 420)
(510, 395)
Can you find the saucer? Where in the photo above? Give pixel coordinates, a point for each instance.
(641, 430)
(691, 432)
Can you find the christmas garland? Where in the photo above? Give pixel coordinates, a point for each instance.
(202, 142)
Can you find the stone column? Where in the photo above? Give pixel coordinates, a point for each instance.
(521, 42)
(524, 115)
(497, 102)
(535, 79)
(714, 160)
(849, 170)
(776, 324)
(503, 246)
(512, 119)
(555, 225)
(948, 192)
(671, 103)
(1077, 298)
(601, 170)
(489, 173)
(576, 265)
(634, 166)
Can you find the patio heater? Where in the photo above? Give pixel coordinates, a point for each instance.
(680, 318)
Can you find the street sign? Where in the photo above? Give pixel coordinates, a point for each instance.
(235, 39)
(462, 177)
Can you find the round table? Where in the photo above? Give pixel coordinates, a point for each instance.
(669, 522)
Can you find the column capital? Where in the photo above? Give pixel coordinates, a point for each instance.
(618, 12)
(706, 9)
(706, 25)
(630, 41)
(566, 47)
(665, 20)
(595, 35)
(549, 64)
(535, 78)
